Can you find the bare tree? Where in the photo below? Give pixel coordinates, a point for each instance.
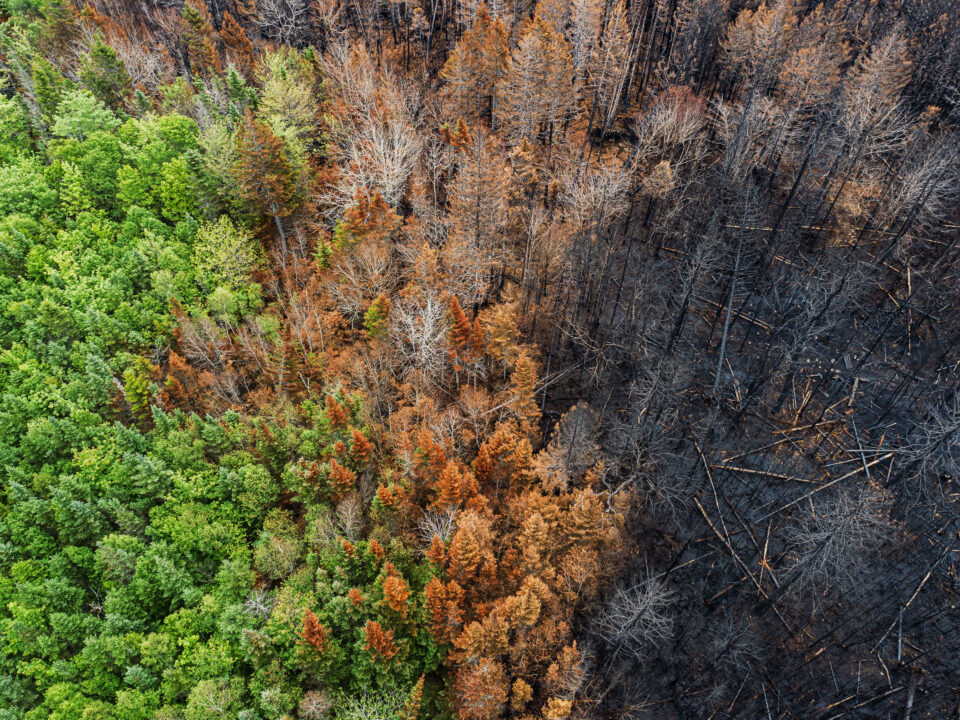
(420, 334)
(360, 274)
(283, 21)
(437, 523)
(636, 620)
(829, 549)
(931, 452)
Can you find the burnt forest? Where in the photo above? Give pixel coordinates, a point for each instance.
(479, 360)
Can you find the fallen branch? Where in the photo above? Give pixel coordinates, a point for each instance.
(826, 485)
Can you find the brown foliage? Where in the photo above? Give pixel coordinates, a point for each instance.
(396, 592)
(444, 603)
(314, 633)
(482, 690)
(361, 449)
(379, 642)
(342, 479)
(336, 413)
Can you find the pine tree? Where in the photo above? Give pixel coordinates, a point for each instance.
(757, 40)
(238, 45)
(361, 449)
(460, 336)
(342, 479)
(368, 218)
(538, 89)
(379, 642)
(557, 709)
(314, 633)
(105, 75)
(444, 604)
(395, 594)
(523, 384)
(609, 68)
(201, 47)
(437, 552)
(411, 707)
(266, 174)
(471, 549)
(454, 486)
(526, 609)
(479, 214)
(377, 317)
(502, 333)
(336, 413)
(48, 86)
(520, 694)
(476, 65)
(138, 393)
(247, 11)
(355, 597)
(482, 690)
(376, 549)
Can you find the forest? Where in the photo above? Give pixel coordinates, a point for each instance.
(468, 360)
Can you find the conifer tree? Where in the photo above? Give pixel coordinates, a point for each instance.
(609, 68)
(336, 413)
(411, 707)
(396, 593)
(201, 46)
(238, 45)
(105, 74)
(267, 175)
(482, 690)
(342, 479)
(538, 88)
(379, 642)
(523, 383)
(314, 633)
(377, 316)
(476, 65)
(361, 449)
(479, 213)
(461, 335)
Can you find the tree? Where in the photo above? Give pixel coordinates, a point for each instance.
(444, 603)
(268, 176)
(828, 549)
(523, 383)
(419, 330)
(476, 65)
(460, 336)
(377, 317)
(224, 255)
(609, 68)
(636, 620)
(396, 593)
(454, 486)
(105, 75)
(379, 642)
(757, 40)
(361, 449)
(80, 113)
(538, 90)
(314, 633)
(204, 57)
(290, 90)
(361, 273)
(479, 213)
(342, 479)
(237, 44)
(482, 690)
(284, 21)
